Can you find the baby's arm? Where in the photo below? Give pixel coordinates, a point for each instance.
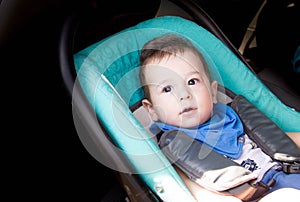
(295, 136)
(204, 195)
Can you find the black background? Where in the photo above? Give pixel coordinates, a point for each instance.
(43, 158)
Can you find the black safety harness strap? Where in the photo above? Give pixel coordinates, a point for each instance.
(267, 135)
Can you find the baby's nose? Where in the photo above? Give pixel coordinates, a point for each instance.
(184, 94)
(186, 97)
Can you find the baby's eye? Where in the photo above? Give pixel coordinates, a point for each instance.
(167, 89)
(193, 81)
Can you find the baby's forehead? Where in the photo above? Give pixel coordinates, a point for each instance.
(174, 64)
(159, 72)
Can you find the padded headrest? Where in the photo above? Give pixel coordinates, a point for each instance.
(116, 58)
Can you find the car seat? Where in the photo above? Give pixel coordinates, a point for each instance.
(107, 92)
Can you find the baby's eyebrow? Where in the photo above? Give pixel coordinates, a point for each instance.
(193, 73)
(167, 81)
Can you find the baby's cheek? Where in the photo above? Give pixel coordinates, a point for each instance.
(167, 113)
(160, 112)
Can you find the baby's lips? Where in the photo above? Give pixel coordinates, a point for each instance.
(187, 109)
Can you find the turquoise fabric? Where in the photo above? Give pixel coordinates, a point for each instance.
(108, 74)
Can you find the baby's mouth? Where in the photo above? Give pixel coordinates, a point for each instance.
(186, 110)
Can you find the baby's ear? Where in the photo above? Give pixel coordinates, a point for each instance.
(149, 107)
(214, 91)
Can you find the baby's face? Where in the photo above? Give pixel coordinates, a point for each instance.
(181, 94)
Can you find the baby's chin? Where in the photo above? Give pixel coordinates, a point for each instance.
(190, 124)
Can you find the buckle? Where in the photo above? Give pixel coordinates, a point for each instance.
(291, 168)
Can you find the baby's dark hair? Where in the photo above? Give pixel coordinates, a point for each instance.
(166, 46)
